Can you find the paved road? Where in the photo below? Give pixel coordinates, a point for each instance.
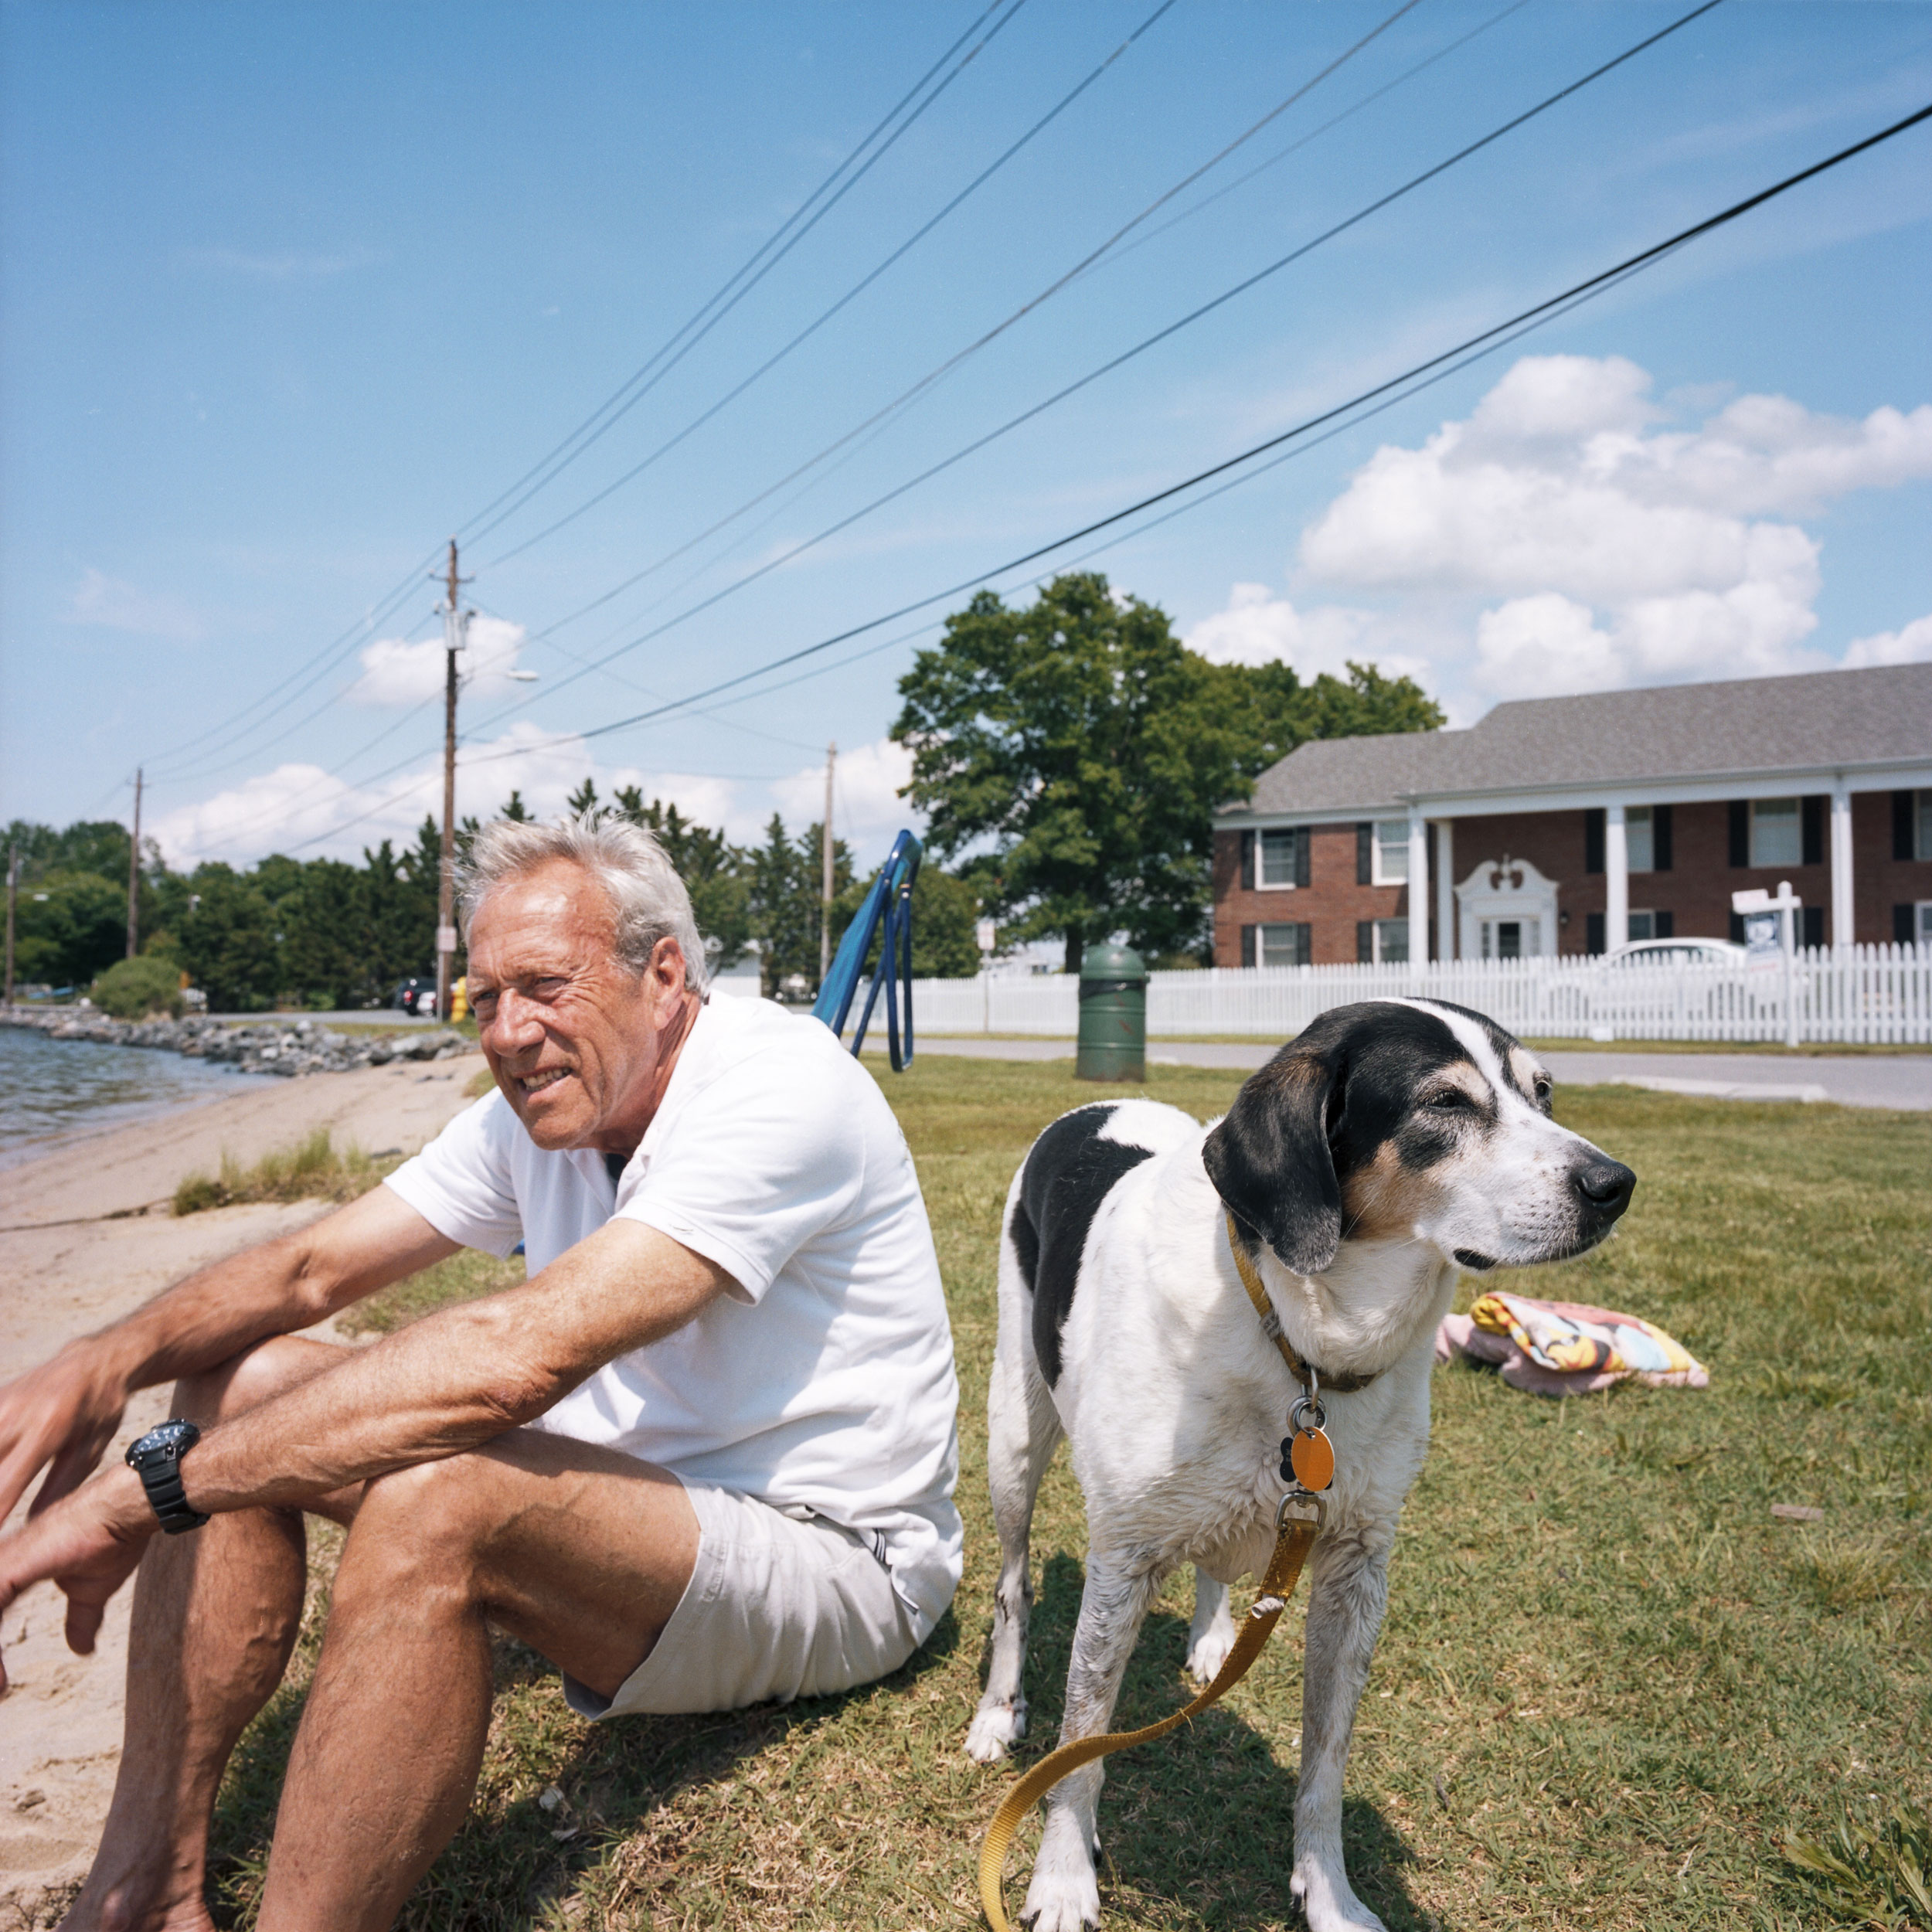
(1902, 1081)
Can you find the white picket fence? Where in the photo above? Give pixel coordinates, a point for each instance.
(1870, 994)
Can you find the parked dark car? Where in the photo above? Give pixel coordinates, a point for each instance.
(417, 996)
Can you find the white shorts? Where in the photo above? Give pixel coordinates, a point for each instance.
(775, 1608)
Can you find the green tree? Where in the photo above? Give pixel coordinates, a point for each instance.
(70, 926)
(583, 799)
(784, 903)
(1083, 744)
(326, 953)
(1073, 753)
(227, 941)
(516, 811)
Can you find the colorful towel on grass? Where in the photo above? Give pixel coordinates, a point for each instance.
(1566, 1348)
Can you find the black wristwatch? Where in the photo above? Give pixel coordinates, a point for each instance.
(156, 1459)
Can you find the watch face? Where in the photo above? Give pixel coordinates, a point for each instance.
(170, 1439)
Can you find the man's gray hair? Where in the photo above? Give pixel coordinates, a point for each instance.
(646, 894)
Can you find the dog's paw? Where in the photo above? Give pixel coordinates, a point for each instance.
(995, 1727)
(1064, 1895)
(1330, 1903)
(1210, 1650)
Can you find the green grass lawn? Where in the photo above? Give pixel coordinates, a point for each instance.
(1610, 1685)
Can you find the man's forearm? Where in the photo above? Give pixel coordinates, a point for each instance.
(273, 1289)
(457, 1378)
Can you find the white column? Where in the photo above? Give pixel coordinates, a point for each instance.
(1418, 890)
(1445, 888)
(1616, 880)
(1844, 918)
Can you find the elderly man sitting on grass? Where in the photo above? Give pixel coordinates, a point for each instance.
(704, 1456)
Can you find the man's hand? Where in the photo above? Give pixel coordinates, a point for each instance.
(61, 1416)
(89, 1543)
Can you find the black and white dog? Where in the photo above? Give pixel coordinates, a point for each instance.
(1389, 1146)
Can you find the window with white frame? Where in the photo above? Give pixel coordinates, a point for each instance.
(1640, 843)
(1925, 922)
(1275, 857)
(1777, 832)
(1391, 935)
(1284, 945)
(1392, 853)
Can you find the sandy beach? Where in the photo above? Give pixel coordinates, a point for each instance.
(77, 1251)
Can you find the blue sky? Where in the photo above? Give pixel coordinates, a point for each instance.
(293, 292)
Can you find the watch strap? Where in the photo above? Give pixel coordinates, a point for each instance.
(160, 1475)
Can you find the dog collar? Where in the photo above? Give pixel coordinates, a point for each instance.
(1311, 1378)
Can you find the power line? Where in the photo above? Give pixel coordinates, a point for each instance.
(851, 294)
(693, 331)
(1543, 310)
(959, 357)
(1139, 348)
(332, 652)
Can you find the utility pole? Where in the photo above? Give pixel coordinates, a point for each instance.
(13, 893)
(825, 871)
(455, 623)
(134, 881)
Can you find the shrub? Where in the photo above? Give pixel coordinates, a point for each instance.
(313, 1169)
(133, 989)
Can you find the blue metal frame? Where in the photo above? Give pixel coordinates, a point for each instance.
(888, 908)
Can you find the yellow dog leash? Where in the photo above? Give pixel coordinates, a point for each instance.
(1312, 1459)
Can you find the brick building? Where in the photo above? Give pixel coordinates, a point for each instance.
(1569, 825)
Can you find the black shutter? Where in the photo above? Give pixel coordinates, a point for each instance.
(1364, 940)
(1902, 933)
(1811, 813)
(1902, 840)
(1592, 932)
(1593, 843)
(1247, 937)
(1663, 925)
(1364, 855)
(1740, 832)
(1303, 834)
(1814, 925)
(1304, 944)
(1661, 851)
(1737, 929)
(1247, 861)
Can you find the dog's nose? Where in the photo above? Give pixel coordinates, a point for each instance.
(1606, 1186)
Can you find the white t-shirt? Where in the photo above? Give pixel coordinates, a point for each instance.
(827, 1384)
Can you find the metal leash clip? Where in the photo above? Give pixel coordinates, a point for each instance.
(1297, 1499)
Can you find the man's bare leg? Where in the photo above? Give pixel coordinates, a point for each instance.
(216, 1615)
(581, 1552)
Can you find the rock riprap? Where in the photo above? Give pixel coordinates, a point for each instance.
(281, 1046)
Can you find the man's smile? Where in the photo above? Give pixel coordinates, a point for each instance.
(544, 1077)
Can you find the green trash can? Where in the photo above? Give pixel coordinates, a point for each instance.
(1112, 1034)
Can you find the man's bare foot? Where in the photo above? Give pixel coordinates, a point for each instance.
(144, 1902)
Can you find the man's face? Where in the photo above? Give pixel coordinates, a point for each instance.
(574, 1038)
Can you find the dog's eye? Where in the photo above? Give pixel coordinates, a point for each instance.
(1544, 1090)
(1449, 1100)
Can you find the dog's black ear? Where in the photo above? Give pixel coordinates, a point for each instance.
(1270, 1162)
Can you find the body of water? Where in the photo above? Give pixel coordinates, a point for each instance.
(49, 1088)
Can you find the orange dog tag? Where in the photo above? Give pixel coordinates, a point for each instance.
(1312, 1457)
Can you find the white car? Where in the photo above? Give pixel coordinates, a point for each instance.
(1676, 952)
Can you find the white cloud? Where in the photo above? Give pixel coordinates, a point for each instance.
(108, 603)
(396, 671)
(1257, 628)
(867, 810)
(1911, 645)
(1625, 553)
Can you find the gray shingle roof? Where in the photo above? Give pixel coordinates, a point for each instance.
(1825, 718)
